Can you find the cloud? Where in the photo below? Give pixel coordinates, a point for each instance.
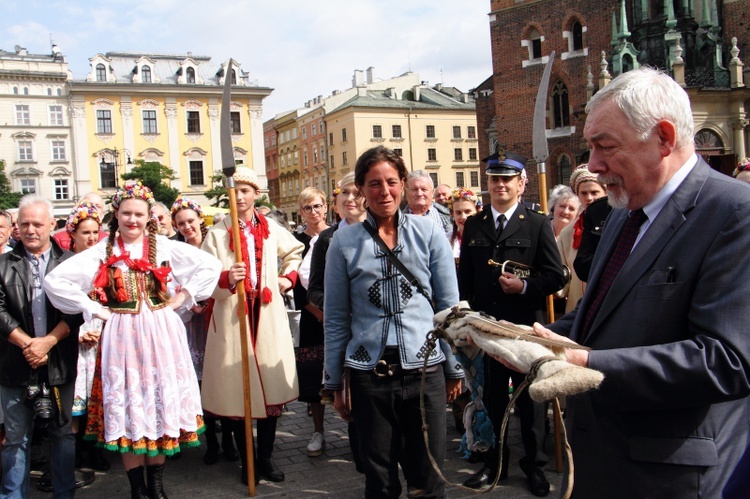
(300, 48)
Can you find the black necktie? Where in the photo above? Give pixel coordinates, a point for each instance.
(500, 224)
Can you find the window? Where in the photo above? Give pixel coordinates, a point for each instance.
(314, 130)
(146, 74)
(103, 121)
(471, 132)
(434, 178)
(536, 44)
(149, 121)
(377, 132)
(101, 72)
(472, 153)
(23, 116)
(343, 135)
(399, 152)
(296, 157)
(58, 150)
(322, 130)
(456, 132)
(49, 91)
(196, 173)
(343, 159)
(234, 117)
(304, 133)
(190, 75)
(430, 131)
(25, 150)
(563, 168)
(287, 137)
(107, 175)
(396, 131)
(458, 154)
(15, 90)
(304, 158)
(234, 77)
(561, 110)
(56, 115)
(294, 133)
(431, 154)
(330, 139)
(332, 164)
(28, 186)
(61, 189)
(315, 155)
(460, 179)
(25, 90)
(474, 177)
(193, 122)
(577, 36)
(59, 91)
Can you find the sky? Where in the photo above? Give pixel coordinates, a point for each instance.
(300, 48)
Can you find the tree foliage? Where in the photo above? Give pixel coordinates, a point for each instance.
(8, 198)
(153, 174)
(219, 197)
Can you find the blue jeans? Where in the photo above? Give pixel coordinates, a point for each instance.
(19, 426)
(389, 428)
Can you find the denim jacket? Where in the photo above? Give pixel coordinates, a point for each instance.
(366, 297)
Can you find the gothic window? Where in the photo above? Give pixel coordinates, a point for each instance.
(560, 106)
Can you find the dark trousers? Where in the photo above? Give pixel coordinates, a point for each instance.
(389, 428)
(496, 399)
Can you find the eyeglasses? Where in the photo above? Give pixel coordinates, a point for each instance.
(317, 208)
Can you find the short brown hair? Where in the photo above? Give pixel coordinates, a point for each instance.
(377, 155)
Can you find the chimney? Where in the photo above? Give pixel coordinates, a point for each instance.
(370, 74)
(439, 87)
(358, 78)
(416, 91)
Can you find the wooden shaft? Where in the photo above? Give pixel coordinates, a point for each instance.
(244, 342)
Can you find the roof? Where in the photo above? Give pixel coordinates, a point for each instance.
(428, 99)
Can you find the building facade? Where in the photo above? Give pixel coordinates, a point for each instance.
(35, 133)
(165, 109)
(595, 41)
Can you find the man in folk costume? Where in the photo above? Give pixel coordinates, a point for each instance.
(270, 258)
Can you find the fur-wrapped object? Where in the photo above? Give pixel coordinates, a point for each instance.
(520, 347)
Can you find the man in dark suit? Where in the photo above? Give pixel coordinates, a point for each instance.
(668, 328)
(525, 237)
(38, 347)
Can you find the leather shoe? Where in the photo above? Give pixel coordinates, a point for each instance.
(83, 478)
(266, 468)
(484, 477)
(538, 484)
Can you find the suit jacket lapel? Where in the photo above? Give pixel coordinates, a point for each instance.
(514, 224)
(487, 224)
(659, 233)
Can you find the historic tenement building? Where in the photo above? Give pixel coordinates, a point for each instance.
(699, 42)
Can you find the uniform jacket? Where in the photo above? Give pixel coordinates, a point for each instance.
(594, 220)
(671, 337)
(273, 373)
(527, 239)
(366, 297)
(15, 311)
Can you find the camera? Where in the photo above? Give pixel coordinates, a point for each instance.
(39, 398)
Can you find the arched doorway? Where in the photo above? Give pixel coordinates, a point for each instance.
(711, 148)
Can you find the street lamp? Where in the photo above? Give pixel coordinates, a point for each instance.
(109, 172)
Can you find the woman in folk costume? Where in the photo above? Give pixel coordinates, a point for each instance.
(145, 402)
(271, 256)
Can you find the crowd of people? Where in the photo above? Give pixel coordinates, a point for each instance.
(121, 331)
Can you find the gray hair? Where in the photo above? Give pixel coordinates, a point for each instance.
(561, 193)
(646, 96)
(419, 174)
(32, 199)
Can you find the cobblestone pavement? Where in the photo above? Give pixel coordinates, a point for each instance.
(331, 474)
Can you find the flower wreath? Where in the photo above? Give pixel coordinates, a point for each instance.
(185, 203)
(85, 210)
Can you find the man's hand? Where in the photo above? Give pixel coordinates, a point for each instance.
(37, 349)
(452, 389)
(574, 356)
(237, 273)
(511, 284)
(284, 284)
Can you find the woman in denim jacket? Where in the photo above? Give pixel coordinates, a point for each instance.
(380, 321)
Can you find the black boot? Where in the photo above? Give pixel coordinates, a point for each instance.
(154, 476)
(231, 453)
(237, 427)
(264, 465)
(212, 443)
(137, 485)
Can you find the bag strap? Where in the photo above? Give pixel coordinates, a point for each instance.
(396, 262)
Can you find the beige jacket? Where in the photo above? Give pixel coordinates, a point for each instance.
(575, 288)
(273, 373)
